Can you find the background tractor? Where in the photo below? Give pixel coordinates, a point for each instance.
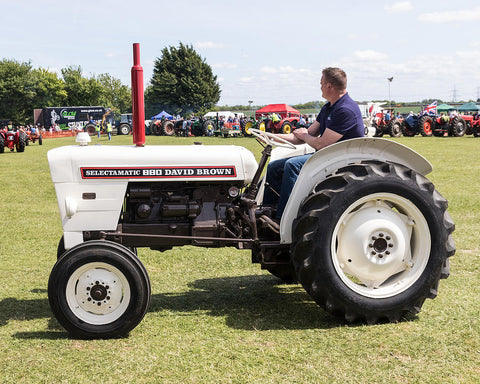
(414, 124)
(12, 140)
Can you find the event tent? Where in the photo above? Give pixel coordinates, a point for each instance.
(468, 107)
(282, 109)
(164, 115)
(445, 108)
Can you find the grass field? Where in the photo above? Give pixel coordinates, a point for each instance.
(216, 318)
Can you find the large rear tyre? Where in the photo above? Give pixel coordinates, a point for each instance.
(372, 242)
(168, 128)
(286, 127)
(246, 128)
(99, 289)
(90, 129)
(22, 142)
(425, 125)
(459, 127)
(395, 128)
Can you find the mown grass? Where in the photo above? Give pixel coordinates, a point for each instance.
(216, 318)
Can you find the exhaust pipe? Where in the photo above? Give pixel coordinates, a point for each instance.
(138, 106)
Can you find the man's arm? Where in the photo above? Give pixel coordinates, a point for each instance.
(294, 139)
(329, 137)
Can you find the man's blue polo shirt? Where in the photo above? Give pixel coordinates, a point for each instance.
(343, 117)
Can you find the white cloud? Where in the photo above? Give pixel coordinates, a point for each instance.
(401, 6)
(451, 16)
(209, 45)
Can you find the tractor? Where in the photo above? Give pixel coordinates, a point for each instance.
(282, 125)
(451, 126)
(385, 122)
(415, 124)
(33, 136)
(13, 140)
(364, 232)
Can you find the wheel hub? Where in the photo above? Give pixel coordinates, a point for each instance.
(374, 244)
(98, 293)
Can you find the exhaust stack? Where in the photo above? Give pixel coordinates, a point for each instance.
(138, 107)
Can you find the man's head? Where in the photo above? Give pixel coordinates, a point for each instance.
(333, 83)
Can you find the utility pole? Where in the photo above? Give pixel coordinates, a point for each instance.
(389, 100)
(454, 94)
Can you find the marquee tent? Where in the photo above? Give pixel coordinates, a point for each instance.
(164, 115)
(281, 109)
(468, 107)
(445, 108)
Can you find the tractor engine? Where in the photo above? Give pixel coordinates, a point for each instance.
(178, 214)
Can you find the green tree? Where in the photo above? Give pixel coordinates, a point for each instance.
(80, 90)
(17, 91)
(115, 94)
(182, 82)
(49, 89)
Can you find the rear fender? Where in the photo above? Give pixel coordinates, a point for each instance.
(329, 159)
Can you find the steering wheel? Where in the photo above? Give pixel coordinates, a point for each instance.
(268, 138)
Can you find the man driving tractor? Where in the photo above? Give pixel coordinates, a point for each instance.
(339, 119)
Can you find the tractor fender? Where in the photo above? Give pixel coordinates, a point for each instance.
(327, 160)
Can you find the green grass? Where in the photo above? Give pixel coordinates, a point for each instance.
(216, 318)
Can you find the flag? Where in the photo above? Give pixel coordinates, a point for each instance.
(430, 109)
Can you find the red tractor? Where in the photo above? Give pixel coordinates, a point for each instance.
(385, 122)
(472, 123)
(284, 122)
(451, 126)
(12, 140)
(33, 136)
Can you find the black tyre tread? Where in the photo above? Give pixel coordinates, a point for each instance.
(312, 215)
(395, 128)
(456, 122)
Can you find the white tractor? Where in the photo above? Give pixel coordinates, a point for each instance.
(364, 231)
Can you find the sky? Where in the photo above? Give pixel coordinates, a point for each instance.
(270, 51)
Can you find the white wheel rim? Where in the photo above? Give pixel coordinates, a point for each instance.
(381, 245)
(98, 293)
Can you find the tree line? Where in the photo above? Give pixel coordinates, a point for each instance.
(24, 88)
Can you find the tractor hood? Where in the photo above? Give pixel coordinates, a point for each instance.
(160, 163)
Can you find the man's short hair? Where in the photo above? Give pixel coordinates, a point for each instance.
(335, 76)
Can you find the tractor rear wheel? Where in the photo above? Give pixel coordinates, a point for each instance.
(246, 127)
(168, 128)
(90, 129)
(425, 124)
(458, 126)
(395, 128)
(372, 241)
(2, 144)
(286, 127)
(99, 289)
(22, 142)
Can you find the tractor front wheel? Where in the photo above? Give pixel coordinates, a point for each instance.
(372, 242)
(99, 289)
